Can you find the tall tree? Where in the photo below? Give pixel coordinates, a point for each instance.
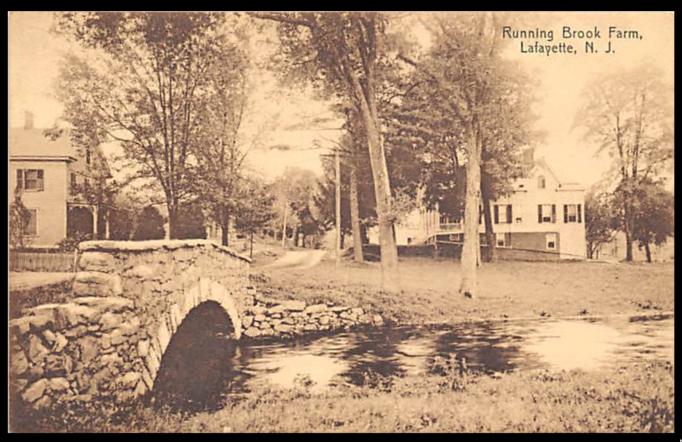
(481, 118)
(343, 52)
(628, 114)
(141, 84)
(19, 218)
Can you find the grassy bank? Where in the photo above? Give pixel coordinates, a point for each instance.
(632, 399)
(512, 289)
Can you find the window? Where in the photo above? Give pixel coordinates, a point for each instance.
(503, 239)
(546, 213)
(572, 213)
(541, 182)
(32, 226)
(519, 220)
(87, 156)
(73, 183)
(30, 179)
(503, 214)
(550, 241)
(456, 237)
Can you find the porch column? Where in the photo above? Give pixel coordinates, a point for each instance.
(106, 225)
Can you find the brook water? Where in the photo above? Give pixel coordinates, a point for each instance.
(203, 375)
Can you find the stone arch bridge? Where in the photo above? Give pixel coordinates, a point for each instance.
(128, 300)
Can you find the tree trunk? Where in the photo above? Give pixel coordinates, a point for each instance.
(487, 219)
(628, 243)
(251, 248)
(355, 216)
(337, 204)
(382, 185)
(470, 253)
(647, 249)
(172, 221)
(284, 224)
(225, 230)
(342, 240)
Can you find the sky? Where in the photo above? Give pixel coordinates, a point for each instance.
(34, 54)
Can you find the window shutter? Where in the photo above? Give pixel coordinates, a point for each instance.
(553, 213)
(565, 213)
(20, 178)
(41, 185)
(579, 214)
(509, 214)
(540, 213)
(497, 214)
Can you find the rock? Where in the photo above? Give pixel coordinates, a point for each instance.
(365, 319)
(76, 331)
(276, 316)
(117, 337)
(96, 262)
(97, 284)
(294, 306)
(247, 321)
(18, 363)
(275, 310)
(130, 327)
(111, 360)
(140, 389)
(143, 348)
(289, 321)
(315, 308)
(105, 342)
(74, 314)
(357, 311)
(129, 380)
(252, 332)
(281, 328)
(310, 327)
(35, 391)
(163, 336)
(257, 310)
(89, 348)
(58, 384)
(36, 350)
(339, 309)
(260, 318)
(377, 320)
(49, 336)
(18, 384)
(267, 332)
(324, 320)
(264, 326)
(43, 402)
(109, 321)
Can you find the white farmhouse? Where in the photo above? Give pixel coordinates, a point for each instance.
(543, 218)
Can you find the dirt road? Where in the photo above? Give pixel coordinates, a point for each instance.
(303, 259)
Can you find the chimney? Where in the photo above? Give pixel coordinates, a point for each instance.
(28, 120)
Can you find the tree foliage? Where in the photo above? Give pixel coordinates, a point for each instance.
(150, 225)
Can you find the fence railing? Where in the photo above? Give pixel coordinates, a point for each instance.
(42, 262)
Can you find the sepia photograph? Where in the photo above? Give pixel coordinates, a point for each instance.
(349, 221)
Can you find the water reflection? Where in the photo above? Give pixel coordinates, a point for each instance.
(409, 351)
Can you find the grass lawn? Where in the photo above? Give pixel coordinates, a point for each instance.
(632, 399)
(515, 289)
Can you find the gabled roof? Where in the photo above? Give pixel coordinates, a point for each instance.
(32, 143)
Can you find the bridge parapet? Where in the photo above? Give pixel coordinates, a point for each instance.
(129, 298)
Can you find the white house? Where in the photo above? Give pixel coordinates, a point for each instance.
(543, 214)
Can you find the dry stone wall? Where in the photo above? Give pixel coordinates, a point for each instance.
(269, 317)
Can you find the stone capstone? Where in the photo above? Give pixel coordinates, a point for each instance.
(317, 308)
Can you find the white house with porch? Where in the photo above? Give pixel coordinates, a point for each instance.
(542, 215)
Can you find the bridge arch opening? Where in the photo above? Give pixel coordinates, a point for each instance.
(198, 362)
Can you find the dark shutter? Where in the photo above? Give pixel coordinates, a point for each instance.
(497, 214)
(579, 214)
(540, 213)
(509, 214)
(20, 178)
(553, 213)
(565, 213)
(41, 185)
(507, 239)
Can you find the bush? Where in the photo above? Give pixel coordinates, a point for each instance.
(71, 243)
